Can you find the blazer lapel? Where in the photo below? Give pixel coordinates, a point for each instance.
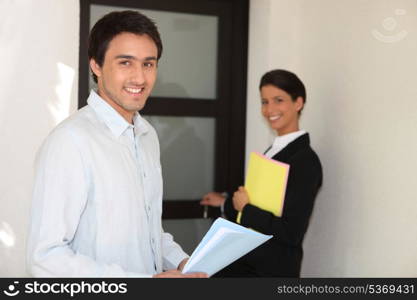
(300, 143)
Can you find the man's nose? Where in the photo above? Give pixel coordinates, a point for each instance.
(138, 75)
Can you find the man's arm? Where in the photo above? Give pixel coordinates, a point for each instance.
(59, 199)
(172, 254)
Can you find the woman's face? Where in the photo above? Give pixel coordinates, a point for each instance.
(280, 111)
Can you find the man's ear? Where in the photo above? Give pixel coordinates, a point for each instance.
(299, 104)
(95, 67)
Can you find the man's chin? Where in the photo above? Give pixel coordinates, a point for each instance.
(136, 107)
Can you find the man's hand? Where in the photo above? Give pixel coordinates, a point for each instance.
(178, 274)
(182, 264)
(240, 198)
(213, 199)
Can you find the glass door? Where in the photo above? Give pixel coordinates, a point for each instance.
(198, 104)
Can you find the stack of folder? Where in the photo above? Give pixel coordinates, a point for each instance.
(224, 243)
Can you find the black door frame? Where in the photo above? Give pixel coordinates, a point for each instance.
(229, 108)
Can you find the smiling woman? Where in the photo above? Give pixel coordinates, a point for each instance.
(280, 110)
(282, 98)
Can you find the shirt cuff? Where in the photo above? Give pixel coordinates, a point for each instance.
(173, 259)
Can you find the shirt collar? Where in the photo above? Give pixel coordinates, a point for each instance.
(114, 121)
(140, 125)
(282, 141)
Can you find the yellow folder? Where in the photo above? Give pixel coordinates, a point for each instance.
(266, 183)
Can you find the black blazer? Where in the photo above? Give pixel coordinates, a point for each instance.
(281, 256)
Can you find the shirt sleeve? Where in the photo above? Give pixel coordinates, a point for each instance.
(59, 198)
(303, 184)
(172, 254)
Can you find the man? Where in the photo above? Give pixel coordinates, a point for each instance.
(97, 199)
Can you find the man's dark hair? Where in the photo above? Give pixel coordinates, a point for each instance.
(115, 23)
(286, 81)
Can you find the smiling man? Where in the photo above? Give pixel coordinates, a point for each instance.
(128, 73)
(97, 199)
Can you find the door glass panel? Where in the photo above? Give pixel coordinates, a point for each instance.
(188, 66)
(187, 155)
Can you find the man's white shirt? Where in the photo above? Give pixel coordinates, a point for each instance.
(97, 199)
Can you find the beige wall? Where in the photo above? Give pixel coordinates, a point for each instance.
(38, 79)
(362, 115)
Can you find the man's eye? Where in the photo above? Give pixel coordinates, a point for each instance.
(125, 63)
(148, 64)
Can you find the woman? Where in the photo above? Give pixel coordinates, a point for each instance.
(283, 97)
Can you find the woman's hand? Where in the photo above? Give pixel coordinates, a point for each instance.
(213, 199)
(240, 198)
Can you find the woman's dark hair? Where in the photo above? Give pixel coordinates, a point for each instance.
(286, 81)
(115, 23)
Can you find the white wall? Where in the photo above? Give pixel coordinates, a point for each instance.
(38, 88)
(362, 116)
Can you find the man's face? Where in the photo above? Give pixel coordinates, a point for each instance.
(128, 73)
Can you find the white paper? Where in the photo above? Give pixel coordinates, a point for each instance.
(224, 243)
